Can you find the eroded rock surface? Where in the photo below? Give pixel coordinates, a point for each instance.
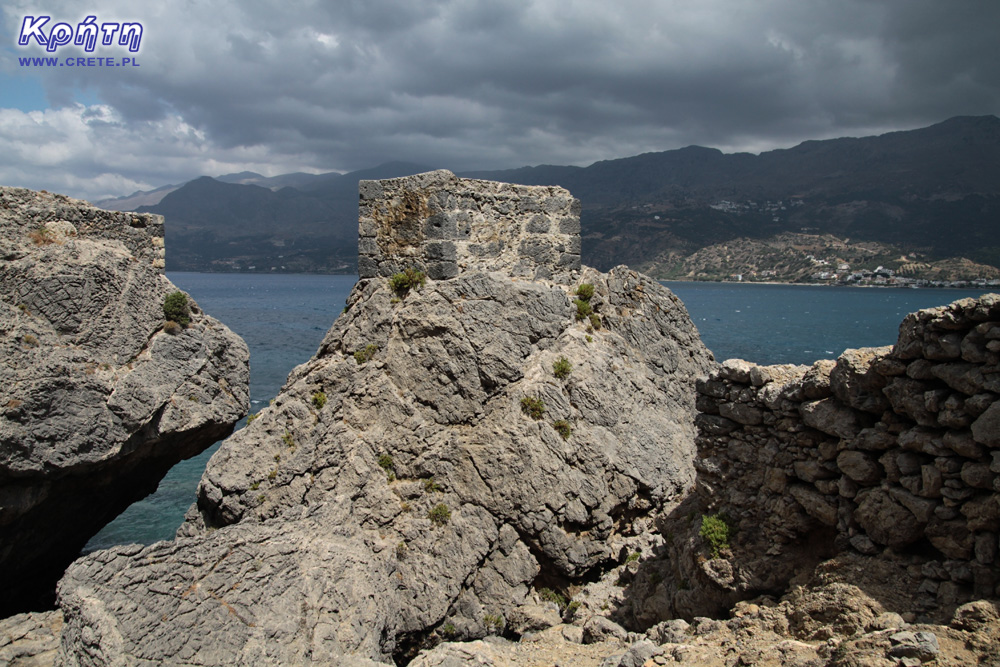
(97, 401)
(407, 443)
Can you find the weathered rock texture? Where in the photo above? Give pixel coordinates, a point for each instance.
(441, 224)
(97, 402)
(890, 452)
(397, 489)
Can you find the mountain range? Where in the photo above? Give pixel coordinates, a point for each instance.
(907, 199)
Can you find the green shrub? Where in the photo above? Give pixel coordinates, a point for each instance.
(550, 595)
(255, 486)
(385, 462)
(251, 417)
(288, 440)
(402, 283)
(319, 400)
(585, 291)
(562, 427)
(583, 309)
(494, 623)
(533, 407)
(365, 354)
(632, 557)
(172, 328)
(448, 631)
(595, 321)
(430, 486)
(715, 530)
(176, 308)
(439, 514)
(562, 368)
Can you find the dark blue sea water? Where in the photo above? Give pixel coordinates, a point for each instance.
(283, 319)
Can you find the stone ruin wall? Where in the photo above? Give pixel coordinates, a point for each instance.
(443, 225)
(64, 217)
(892, 450)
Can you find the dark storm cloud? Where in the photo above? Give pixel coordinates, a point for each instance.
(467, 84)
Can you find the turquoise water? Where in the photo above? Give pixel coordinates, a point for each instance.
(283, 319)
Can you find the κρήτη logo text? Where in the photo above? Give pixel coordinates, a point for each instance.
(85, 34)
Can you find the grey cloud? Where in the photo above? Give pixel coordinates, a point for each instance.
(505, 83)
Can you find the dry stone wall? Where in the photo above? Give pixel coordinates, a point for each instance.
(892, 450)
(442, 225)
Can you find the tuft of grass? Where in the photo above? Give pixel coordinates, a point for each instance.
(176, 308)
(439, 514)
(561, 368)
(550, 595)
(533, 406)
(448, 631)
(595, 321)
(251, 417)
(494, 623)
(583, 310)
(30, 340)
(632, 557)
(430, 486)
(41, 236)
(273, 474)
(563, 428)
(288, 440)
(585, 291)
(715, 531)
(172, 328)
(319, 399)
(402, 283)
(365, 354)
(590, 339)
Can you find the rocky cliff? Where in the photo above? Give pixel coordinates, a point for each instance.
(489, 421)
(98, 396)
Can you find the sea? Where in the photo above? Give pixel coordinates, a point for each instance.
(283, 319)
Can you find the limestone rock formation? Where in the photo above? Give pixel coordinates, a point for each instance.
(502, 424)
(97, 399)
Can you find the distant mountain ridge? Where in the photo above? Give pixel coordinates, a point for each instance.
(929, 194)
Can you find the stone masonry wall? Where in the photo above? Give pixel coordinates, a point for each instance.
(441, 224)
(60, 217)
(892, 450)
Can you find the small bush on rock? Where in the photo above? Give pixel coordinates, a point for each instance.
(533, 407)
(439, 514)
(319, 399)
(176, 308)
(365, 354)
(715, 530)
(562, 427)
(583, 310)
(585, 291)
(402, 283)
(562, 368)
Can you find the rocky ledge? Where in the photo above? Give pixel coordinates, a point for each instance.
(455, 446)
(99, 396)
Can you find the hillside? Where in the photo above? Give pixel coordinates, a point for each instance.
(931, 193)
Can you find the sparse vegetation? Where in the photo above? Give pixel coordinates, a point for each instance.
(583, 309)
(595, 321)
(176, 308)
(439, 514)
(172, 328)
(401, 549)
(715, 530)
(563, 428)
(365, 354)
(561, 368)
(41, 236)
(255, 486)
(533, 406)
(402, 283)
(288, 440)
(251, 417)
(590, 339)
(430, 486)
(494, 623)
(273, 474)
(385, 462)
(632, 557)
(550, 595)
(585, 291)
(319, 399)
(447, 631)
(30, 340)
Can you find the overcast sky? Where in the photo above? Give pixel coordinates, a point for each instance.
(274, 87)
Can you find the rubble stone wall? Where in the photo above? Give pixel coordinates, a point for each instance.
(894, 450)
(442, 225)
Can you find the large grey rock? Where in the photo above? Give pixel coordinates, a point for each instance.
(97, 401)
(420, 448)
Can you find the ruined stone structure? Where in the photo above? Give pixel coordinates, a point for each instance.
(889, 451)
(442, 225)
